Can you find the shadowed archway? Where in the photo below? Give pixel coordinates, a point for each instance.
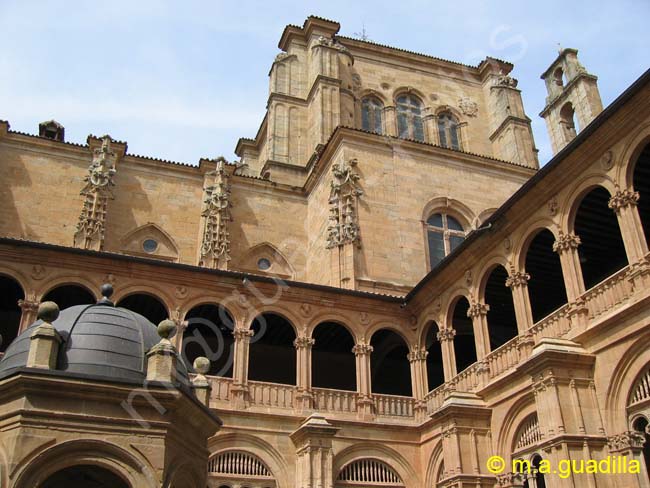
(464, 342)
(390, 369)
(501, 319)
(209, 334)
(10, 293)
(84, 476)
(148, 306)
(333, 363)
(272, 355)
(68, 296)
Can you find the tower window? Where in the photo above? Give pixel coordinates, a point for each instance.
(371, 112)
(567, 121)
(409, 118)
(448, 131)
(444, 234)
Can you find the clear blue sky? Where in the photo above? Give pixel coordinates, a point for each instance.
(181, 80)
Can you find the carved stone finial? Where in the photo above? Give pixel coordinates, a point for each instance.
(48, 312)
(97, 192)
(166, 329)
(201, 365)
(215, 245)
(345, 191)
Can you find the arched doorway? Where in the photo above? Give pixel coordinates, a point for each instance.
(209, 334)
(333, 363)
(501, 319)
(601, 250)
(10, 293)
(68, 296)
(84, 476)
(390, 369)
(272, 355)
(464, 342)
(546, 288)
(146, 305)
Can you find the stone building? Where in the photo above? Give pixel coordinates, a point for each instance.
(387, 288)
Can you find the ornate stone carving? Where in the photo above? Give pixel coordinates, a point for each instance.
(446, 335)
(329, 42)
(215, 245)
(240, 333)
(281, 57)
(622, 199)
(97, 192)
(504, 80)
(38, 272)
(607, 160)
(362, 349)
(345, 191)
(468, 277)
(30, 304)
(303, 342)
(181, 291)
(517, 278)
(305, 309)
(510, 479)
(626, 440)
(468, 106)
(417, 354)
(566, 242)
(364, 318)
(478, 309)
(553, 206)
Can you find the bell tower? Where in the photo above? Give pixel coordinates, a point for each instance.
(573, 99)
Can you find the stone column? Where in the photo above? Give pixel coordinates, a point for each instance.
(430, 128)
(365, 403)
(446, 339)
(630, 446)
(390, 121)
(162, 358)
(478, 313)
(303, 347)
(239, 389)
(313, 441)
(29, 307)
(419, 381)
(566, 246)
(624, 204)
(517, 281)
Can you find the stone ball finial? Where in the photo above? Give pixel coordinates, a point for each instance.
(48, 312)
(201, 365)
(166, 328)
(107, 290)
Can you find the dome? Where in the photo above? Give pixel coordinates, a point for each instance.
(99, 340)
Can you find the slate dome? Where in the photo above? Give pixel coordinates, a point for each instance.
(99, 340)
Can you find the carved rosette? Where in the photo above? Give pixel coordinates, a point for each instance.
(215, 244)
(97, 192)
(345, 191)
(517, 278)
(446, 335)
(622, 199)
(625, 441)
(566, 242)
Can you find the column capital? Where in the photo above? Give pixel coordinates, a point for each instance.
(362, 349)
(240, 333)
(303, 342)
(477, 309)
(517, 278)
(622, 199)
(28, 305)
(417, 355)
(446, 335)
(626, 441)
(566, 242)
(510, 480)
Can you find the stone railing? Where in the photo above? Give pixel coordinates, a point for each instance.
(599, 300)
(271, 395)
(335, 401)
(220, 389)
(394, 406)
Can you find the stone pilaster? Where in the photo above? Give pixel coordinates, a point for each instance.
(97, 192)
(313, 441)
(446, 339)
(215, 243)
(419, 382)
(29, 309)
(629, 445)
(45, 340)
(303, 347)
(162, 358)
(624, 204)
(239, 390)
(517, 281)
(566, 246)
(390, 121)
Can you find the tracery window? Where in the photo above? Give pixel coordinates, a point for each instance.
(448, 133)
(409, 118)
(371, 114)
(444, 234)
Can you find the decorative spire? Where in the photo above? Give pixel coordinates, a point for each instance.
(92, 221)
(345, 191)
(215, 246)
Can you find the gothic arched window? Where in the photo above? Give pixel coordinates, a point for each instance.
(371, 110)
(444, 234)
(409, 118)
(448, 131)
